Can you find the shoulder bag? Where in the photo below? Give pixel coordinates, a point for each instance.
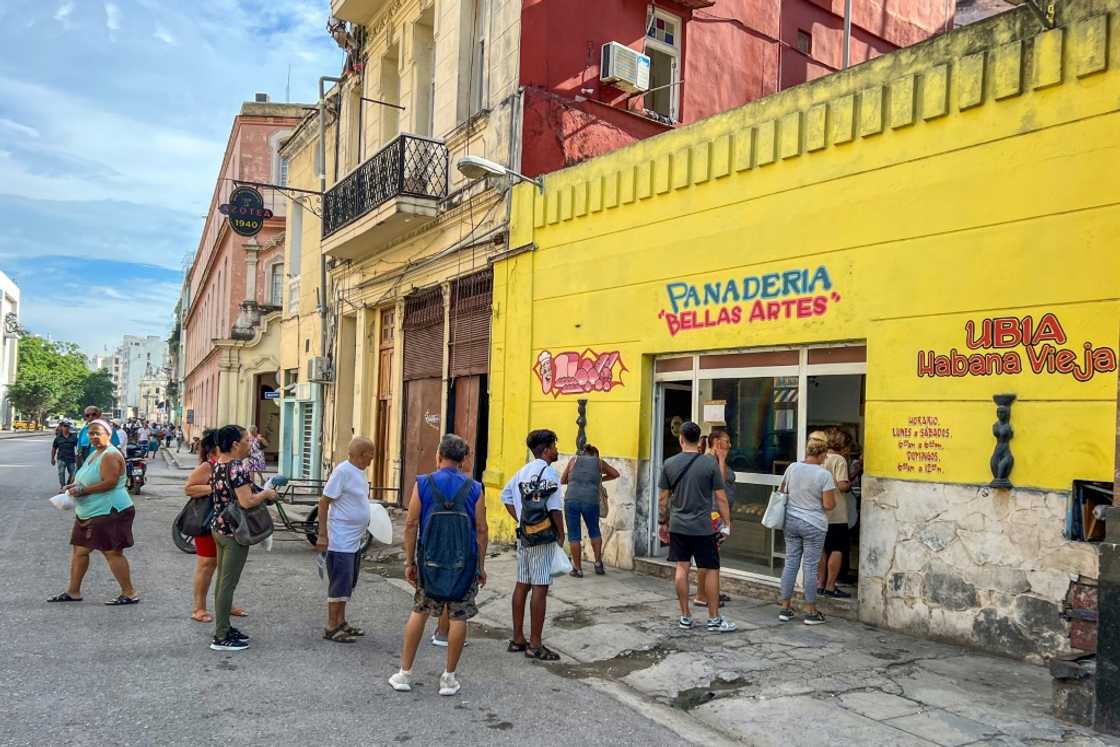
(775, 515)
(195, 518)
(250, 525)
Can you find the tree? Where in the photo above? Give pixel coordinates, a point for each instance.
(31, 395)
(52, 371)
(97, 390)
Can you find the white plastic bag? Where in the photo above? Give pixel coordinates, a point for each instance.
(561, 566)
(380, 525)
(63, 502)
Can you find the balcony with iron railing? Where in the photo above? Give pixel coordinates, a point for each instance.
(396, 190)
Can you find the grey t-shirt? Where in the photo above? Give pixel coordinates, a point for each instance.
(690, 506)
(805, 485)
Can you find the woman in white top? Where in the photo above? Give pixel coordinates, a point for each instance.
(811, 492)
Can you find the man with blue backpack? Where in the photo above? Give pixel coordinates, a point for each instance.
(447, 514)
(532, 498)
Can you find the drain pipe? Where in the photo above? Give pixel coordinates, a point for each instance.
(323, 191)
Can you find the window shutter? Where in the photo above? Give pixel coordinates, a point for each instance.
(471, 298)
(423, 335)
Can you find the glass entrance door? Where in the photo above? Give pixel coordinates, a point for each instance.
(768, 401)
(674, 408)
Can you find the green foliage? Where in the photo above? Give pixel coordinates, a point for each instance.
(97, 389)
(52, 377)
(31, 395)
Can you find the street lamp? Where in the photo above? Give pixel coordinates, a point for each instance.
(477, 167)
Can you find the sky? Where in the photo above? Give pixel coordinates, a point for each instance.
(114, 118)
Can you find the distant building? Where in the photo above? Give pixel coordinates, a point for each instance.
(9, 342)
(153, 398)
(140, 358)
(231, 298)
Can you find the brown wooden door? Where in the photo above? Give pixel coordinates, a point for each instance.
(468, 413)
(422, 430)
(384, 406)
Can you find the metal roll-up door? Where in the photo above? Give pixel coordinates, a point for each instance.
(471, 298)
(423, 335)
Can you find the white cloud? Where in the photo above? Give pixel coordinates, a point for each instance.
(12, 126)
(112, 17)
(62, 15)
(164, 36)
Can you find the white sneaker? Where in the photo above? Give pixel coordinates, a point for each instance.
(448, 684)
(401, 681)
(437, 641)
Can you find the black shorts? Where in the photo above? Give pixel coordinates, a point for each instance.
(838, 539)
(703, 548)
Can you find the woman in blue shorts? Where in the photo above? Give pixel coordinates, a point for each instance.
(584, 476)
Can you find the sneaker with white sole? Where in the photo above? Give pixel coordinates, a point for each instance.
(228, 643)
(814, 618)
(685, 622)
(449, 684)
(786, 614)
(721, 625)
(401, 681)
(437, 640)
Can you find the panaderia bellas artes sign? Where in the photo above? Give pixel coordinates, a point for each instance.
(246, 211)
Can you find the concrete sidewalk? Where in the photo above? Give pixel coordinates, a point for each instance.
(5, 435)
(779, 683)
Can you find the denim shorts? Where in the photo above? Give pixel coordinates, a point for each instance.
(342, 572)
(589, 512)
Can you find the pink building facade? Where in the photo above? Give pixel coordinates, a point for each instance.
(233, 287)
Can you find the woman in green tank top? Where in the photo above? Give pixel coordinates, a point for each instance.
(103, 517)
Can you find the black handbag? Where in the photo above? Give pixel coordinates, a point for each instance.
(250, 525)
(196, 517)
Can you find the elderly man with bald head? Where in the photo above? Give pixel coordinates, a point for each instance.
(344, 514)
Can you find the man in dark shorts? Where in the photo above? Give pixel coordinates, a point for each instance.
(429, 494)
(689, 482)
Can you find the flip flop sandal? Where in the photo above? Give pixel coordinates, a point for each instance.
(516, 648)
(338, 635)
(542, 654)
(724, 598)
(122, 600)
(575, 573)
(238, 612)
(352, 630)
(64, 597)
(600, 570)
(202, 616)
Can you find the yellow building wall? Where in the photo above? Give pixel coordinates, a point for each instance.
(971, 177)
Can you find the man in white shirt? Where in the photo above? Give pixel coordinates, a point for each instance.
(534, 561)
(344, 511)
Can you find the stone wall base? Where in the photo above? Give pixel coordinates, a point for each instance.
(970, 565)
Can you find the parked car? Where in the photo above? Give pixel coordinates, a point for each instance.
(25, 425)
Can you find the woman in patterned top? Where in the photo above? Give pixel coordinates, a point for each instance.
(256, 462)
(230, 480)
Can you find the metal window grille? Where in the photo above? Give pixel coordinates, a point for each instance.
(307, 437)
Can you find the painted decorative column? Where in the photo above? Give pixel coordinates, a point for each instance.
(250, 315)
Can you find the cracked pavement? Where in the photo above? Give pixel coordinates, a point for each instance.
(842, 683)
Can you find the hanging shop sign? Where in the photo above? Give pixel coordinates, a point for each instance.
(246, 211)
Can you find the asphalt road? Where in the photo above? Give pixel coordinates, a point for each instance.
(90, 674)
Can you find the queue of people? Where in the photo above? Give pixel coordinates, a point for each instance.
(446, 534)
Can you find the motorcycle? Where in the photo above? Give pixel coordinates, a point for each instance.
(136, 468)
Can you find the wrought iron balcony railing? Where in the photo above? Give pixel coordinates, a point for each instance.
(409, 165)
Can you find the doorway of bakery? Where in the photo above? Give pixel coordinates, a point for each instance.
(674, 403)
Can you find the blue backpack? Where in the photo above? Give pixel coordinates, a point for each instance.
(447, 556)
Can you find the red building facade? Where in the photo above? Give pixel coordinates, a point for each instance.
(707, 56)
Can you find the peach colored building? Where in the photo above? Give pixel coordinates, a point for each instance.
(232, 292)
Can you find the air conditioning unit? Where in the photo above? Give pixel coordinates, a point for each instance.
(319, 369)
(303, 391)
(624, 68)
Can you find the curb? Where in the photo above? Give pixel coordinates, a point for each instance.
(6, 435)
